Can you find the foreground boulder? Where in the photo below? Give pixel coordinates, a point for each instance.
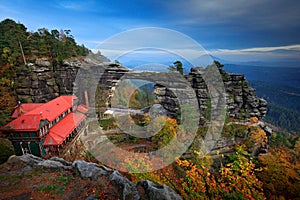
(31, 177)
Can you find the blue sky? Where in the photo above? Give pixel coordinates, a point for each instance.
(241, 30)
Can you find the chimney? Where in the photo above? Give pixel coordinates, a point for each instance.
(86, 99)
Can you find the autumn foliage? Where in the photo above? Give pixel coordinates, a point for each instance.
(281, 176)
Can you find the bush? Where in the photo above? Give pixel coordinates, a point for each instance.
(6, 150)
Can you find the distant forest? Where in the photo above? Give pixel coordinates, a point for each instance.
(19, 46)
(283, 104)
(283, 117)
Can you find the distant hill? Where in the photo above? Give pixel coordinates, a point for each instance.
(283, 76)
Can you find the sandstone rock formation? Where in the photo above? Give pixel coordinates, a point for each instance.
(42, 82)
(241, 99)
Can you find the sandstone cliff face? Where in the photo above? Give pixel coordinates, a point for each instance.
(43, 81)
(241, 100)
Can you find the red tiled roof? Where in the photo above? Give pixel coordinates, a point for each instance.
(28, 122)
(83, 109)
(53, 140)
(60, 131)
(51, 110)
(26, 107)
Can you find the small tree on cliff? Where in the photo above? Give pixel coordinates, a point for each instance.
(177, 67)
(218, 64)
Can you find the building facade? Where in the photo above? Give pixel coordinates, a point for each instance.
(44, 129)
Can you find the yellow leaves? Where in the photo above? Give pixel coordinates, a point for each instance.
(5, 82)
(167, 130)
(236, 179)
(197, 152)
(183, 163)
(282, 171)
(228, 165)
(253, 120)
(237, 176)
(258, 137)
(297, 148)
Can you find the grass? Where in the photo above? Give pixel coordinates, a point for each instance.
(48, 188)
(57, 188)
(64, 179)
(107, 123)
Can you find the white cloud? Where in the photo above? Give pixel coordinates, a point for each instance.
(159, 43)
(259, 53)
(295, 47)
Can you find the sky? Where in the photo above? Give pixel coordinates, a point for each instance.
(232, 30)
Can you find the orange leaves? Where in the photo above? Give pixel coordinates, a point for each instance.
(259, 137)
(253, 120)
(236, 180)
(167, 130)
(239, 179)
(183, 163)
(282, 174)
(198, 181)
(297, 148)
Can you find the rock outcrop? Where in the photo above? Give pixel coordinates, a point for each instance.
(149, 190)
(116, 182)
(241, 100)
(43, 81)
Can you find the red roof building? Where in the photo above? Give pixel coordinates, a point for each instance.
(44, 128)
(59, 132)
(24, 108)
